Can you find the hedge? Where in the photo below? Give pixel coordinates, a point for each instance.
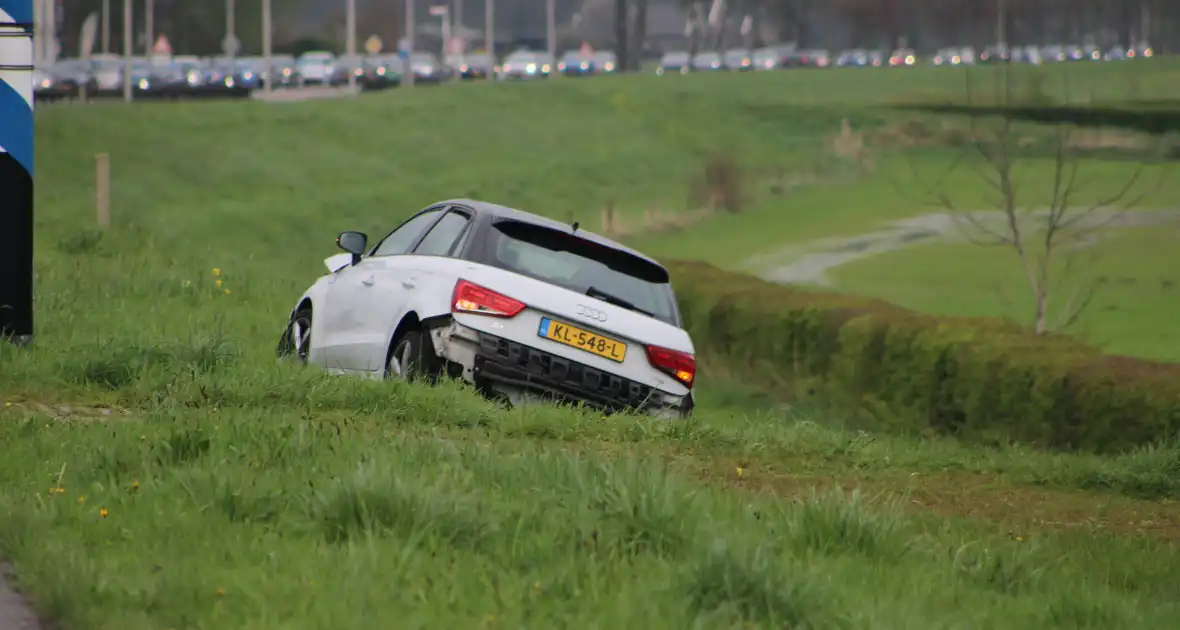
(976, 378)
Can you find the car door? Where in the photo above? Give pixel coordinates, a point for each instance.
(416, 285)
(363, 293)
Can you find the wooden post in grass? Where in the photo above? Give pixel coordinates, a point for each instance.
(102, 189)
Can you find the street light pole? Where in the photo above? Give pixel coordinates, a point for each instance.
(458, 12)
(408, 68)
(1002, 25)
(489, 35)
(350, 42)
(551, 28)
(106, 27)
(268, 85)
(230, 11)
(149, 26)
(128, 42)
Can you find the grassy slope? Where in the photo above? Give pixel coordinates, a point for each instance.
(274, 498)
(1134, 276)
(442, 511)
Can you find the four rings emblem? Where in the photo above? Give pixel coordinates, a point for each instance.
(591, 313)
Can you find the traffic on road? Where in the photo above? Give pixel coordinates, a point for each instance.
(188, 76)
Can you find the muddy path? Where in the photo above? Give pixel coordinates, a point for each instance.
(809, 263)
(15, 611)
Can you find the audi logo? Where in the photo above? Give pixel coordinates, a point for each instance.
(591, 313)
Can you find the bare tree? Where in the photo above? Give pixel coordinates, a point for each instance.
(1047, 241)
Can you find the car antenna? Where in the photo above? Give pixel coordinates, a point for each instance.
(575, 226)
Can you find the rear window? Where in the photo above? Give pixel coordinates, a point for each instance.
(584, 266)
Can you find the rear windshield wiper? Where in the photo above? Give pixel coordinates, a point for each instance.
(617, 301)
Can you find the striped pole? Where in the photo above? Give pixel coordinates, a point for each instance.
(16, 170)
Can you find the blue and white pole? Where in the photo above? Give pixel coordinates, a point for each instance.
(16, 170)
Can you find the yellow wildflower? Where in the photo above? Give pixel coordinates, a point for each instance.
(218, 283)
(216, 271)
(740, 471)
(220, 592)
(227, 291)
(81, 499)
(102, 512)
(53, 491)
(135, 485)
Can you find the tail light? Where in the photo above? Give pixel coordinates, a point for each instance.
(469, 297)
(681, 365)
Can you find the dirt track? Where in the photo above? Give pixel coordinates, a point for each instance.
(808, 263)
(15, 612)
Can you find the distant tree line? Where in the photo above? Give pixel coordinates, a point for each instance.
(198, 26)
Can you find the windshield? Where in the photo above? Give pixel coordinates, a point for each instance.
(584, 266)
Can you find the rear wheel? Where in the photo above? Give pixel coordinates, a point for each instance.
(412, 358)
(296, 340)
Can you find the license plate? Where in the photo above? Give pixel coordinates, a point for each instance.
(582, 339)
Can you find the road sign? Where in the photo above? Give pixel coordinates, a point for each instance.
(403, 44)
(373, 45)
(162, 46)
(439, 10)
(230, 45)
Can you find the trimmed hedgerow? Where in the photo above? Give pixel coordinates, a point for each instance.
(976, 378)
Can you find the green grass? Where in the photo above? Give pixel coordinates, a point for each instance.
(239, 493)
(1134, 276)
(338, 501)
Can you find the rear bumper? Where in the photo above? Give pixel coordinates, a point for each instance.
(500, 366)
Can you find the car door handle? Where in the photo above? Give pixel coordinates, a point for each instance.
(410, 283)
(368, 282)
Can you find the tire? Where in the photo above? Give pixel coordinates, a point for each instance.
(296, 339)
(412, 358)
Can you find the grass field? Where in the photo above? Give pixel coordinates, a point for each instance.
(160, 471)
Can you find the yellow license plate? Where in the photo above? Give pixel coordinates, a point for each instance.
(582, 339)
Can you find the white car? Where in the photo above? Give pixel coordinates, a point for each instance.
(316, 67)
(519, 305)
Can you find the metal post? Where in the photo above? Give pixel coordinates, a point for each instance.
(149, 18)
(1144, 25)
(350, 42)
(446, 36)
(458, 12)
(551, 29)
(230, 11)
(128, 41)
(408, 70)
(106, 27)
(1002, 25)
(16, 171)
(38, 33)
(489, 35)
(268, 85)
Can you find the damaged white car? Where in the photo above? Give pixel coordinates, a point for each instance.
(519, 305)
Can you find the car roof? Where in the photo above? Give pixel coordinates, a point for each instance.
(497, 211)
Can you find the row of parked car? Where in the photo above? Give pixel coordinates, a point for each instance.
(189, 76)
(772, 57)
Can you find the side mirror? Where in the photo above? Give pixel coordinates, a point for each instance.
(353, 243)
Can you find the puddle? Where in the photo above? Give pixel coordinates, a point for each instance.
(808, 263)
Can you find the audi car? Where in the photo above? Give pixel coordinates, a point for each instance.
(524, 307)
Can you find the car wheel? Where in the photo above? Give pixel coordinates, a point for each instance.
(296, 340)
(412, 358)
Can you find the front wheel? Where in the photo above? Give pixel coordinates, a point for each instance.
(296, 340)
